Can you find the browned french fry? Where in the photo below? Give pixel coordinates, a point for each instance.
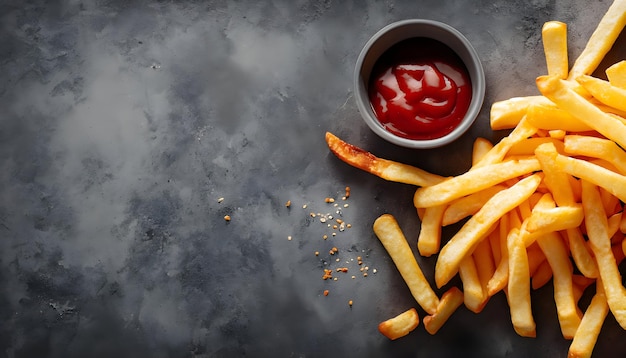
(391, 236)
(597, 230)
(383, 168)
(463, 243)
(472, 181)
(601, 40)
(400, 325)
(450, 301)
(554, 36)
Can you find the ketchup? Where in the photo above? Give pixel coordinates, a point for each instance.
(420, 89)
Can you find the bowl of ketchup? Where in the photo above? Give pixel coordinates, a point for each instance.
(419, 83)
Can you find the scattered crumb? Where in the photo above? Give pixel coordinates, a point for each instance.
(317, 253)
(325, 292)
(350, 303)
(289, 237)
(227, 217)
(220, 200)
(288, 203)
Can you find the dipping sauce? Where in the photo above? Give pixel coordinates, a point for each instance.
(420, 89)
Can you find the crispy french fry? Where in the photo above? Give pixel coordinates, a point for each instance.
(429, 239)
(508, 113)
(607, 179)
(485, 265)
(551, 117)
(473, 294)
(463, 243)
(590, 326)
(468, 205)
(554, 36)
(450, 301)
(383, 168)
(519, 287)
(597, 230)
(597, 148)
(473, 181)
(556, 180)
(616, 74)
(604, 91)
(522, 131)
(400, 325)
(558, 92)
(542, 275)
(557, 256)
(391, 236)
(581, 255)
(601, 40)
(528, 146)
(481, 147)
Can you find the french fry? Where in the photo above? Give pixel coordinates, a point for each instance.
(557, 256)
(383, 168)
(590, 326)
(485, 265)
(597, 230)
(429, 239)
(473, 181)
(601, 40)
(391, 236)
(474, 230)
(556, 180)
(522, 131)
(473, 294)
(554, 36)
(450, 301)
(558, 92)
(597, 148)
(519, 287)
(400, 325)
(604, 91)
(607, 179)
(528, 146)
(542, 275)
(468, 205)
(580, 254)
(551, 117)
(616, 74)
(508, 113)
(480, 148)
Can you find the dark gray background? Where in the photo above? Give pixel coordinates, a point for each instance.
(123, 122)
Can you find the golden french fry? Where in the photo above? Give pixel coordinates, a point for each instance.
(485, 265)
(481, 147)
(473, 294)
(391, 236)
(519, 287)
(450, 301)
(474, 230)
(468, 205)
(604, 91)
(528, 146)
(607, 179)
(554, 36)
(429, 239)
(551, 220)
(557, 256)
(580, 253)
(473, 181)
(556, 180)
(400, 325)
(597, 148)
(558, 92)
(597, 230)
(522, 131)
(508, 113)
(601, 40)
(550, 117)
(535, 258)
(383, 168)
(590, 326)
(616, 74)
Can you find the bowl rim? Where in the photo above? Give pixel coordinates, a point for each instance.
(469, 57)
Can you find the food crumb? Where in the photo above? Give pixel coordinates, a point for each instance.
(329, 200)
(353, 277)
(227, 217)
(220, 200)
(317, 253)
(288, 203)
(350, 303)
(325, 237)
(325, 292)
(304, 206)
(347, 192)
(327, 274)
(374, 270)
(289, 237)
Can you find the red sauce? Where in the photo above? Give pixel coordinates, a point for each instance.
(420, 89)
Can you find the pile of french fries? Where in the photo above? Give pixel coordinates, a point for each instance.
(545, 203)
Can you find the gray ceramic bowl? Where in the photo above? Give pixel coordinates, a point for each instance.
(406, 29)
